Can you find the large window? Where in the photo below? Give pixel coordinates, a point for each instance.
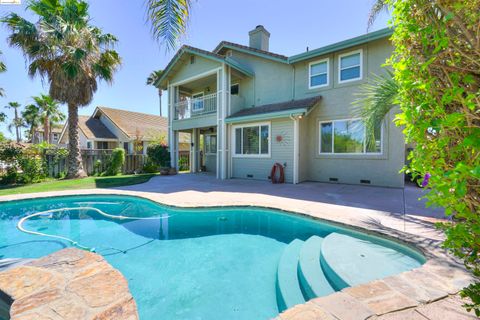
(349, 137)
(318, 72)
(252, 140)
(350, 66)
(210, 144)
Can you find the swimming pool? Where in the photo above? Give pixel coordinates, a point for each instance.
(206, 263)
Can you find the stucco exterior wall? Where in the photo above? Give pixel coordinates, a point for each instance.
(281, 152)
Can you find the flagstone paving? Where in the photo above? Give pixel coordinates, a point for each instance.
(68, 284)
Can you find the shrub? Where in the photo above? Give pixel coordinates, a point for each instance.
(183, 163)
(117, 160)
(436, 63)
(25, 165)
(150, 167)
(97, 167)
(158, 155)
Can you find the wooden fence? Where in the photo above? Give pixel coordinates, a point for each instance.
(94, 161)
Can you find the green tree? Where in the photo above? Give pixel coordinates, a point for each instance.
(17, 121)
(63, 47)
(169, 19)
(151, 80)
(33, 119)
(50, 114)
(436, 63)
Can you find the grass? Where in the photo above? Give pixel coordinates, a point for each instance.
(74, 184)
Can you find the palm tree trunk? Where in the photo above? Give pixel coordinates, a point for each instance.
(46, 133)
(75, 165)
(17, 129)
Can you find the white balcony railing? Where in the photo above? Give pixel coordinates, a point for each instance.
(191, 107)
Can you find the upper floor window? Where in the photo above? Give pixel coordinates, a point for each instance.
(349, 137)
(252, 140)
(318, 74)
(350, 66)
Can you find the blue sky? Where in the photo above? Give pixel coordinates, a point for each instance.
(293, 25)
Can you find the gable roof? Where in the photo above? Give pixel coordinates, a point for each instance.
(280, 109)
(205, 54)
(265, 54)
(94, 128)
(133, 124)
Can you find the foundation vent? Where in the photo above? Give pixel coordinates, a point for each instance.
(333, 179)
(365, 181)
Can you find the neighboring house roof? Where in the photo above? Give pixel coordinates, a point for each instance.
(375, 35)
(203, 53)
(94, 129)
(265, 54)
(281, 109)
(54, 129)
(136, 124)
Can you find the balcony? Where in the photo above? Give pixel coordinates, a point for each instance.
(193, 107)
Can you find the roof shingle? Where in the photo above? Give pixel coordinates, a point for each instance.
(94, 128)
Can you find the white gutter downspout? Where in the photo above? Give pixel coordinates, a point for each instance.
(296, 147)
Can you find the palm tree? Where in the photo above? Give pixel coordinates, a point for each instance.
(378, 6)
(3, 68)
(17, 121)
(33, 119)
(169, 19)
(151, 80)
(50, 114)
(375, 100)
(73, 55)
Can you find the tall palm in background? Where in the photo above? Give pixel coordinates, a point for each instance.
(71, 54)
(152, 78)
(33, 119)
(17, 121)
(50, 114)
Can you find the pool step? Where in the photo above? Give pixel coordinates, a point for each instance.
(312, 279)
(289, 293)
(350, 261)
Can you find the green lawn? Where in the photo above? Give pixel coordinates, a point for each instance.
(86, 183)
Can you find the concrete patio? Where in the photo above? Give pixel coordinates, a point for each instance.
(392, 200)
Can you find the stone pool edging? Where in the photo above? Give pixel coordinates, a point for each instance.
(439, 279)
(69, 284)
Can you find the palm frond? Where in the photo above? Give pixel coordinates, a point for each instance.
(153, 77)
(374, 101)
(377, 8)
(169, 19)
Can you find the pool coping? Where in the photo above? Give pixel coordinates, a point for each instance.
(440, 277)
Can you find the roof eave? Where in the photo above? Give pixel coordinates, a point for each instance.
(372, 36)
(258, 54)
(269, 115)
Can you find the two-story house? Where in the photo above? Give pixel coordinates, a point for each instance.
(252, 108)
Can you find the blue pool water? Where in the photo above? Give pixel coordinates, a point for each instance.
(195, 263)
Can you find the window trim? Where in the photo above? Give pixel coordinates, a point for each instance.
(250, 125)
(333, 153)
(340, 56)
(327, 60)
